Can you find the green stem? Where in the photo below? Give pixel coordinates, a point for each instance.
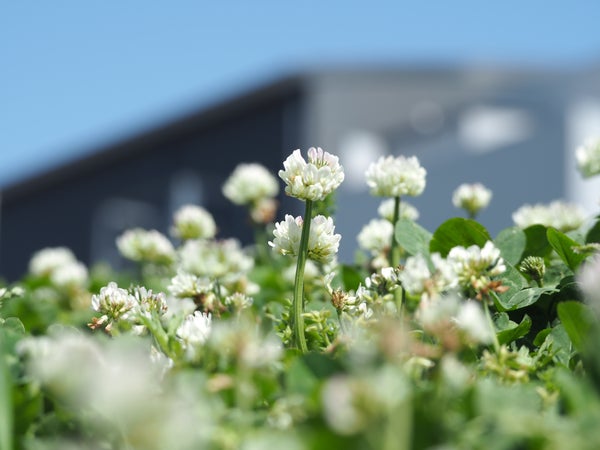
(394, 250)
(298, 302)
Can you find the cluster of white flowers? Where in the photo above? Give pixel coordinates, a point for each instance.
(193, 333)
(250, 183)
(475, 265)
(418, 280)
(396, 177)
(560, 215)
(376, 236)
(407, 211)
(312, 180)
(322, 242)
(471, 197)
(224, 260)
(588, 158)
(193, 222)
(146, 245)
(60, 266)
(187, 285)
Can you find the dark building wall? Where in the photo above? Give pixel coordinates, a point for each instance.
(84, 205)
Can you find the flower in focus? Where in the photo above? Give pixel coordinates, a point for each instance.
(471, 197)
(148, 302)
(114, 302)
(396, 177)
(418, 280)
(588, 158)
(147, 246)
(474, 265)
(312, 180)
(407, 211)
(376, 236)
(194, 332)
(187, 285)
(560, 215)
(322, 242)
(250, 183)
(193, 222)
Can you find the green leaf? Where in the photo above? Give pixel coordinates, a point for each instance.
(537, 242)
(563, 246)
(511, 242)
(575, 317)
(300, 379)
(512, 331)
(412, 237)
(350, 277)
(514, 281)
(458, 231)
(593, 235)
(524, 297)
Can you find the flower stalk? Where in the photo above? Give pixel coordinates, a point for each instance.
(299, 340)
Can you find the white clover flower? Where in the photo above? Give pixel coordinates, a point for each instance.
(238, 301)
(68, 276)
(407, 211)
(471, 320)
(224, 259)
(395, 177)
(560, 215)
(186, 285)
(194, 331)
(249, 183)
(149, 302)
(471, 197)
(47, 260)
(415, 276)
(312, 180)
(193, 222)
(588, 158)
(114, 302)
(474, 265)
(340, 406)
(588, 278)
(143, 245)
(322, 242)
(376, 236)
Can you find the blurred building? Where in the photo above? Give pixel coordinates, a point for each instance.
(513, 130)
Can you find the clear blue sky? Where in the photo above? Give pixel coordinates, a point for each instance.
(76, 74)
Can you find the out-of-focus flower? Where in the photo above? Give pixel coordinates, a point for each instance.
(70, 276)
(407, 211)
(47, 260)
(475, 265)
(396, 177)
(376, 236)
(250, 183)
(193, 222)
(147, 246)
(471, 320)
(560, 215)
(263, 210)
(471, 197)
(312, 180)
(417, 279)
(588, 279)
(322, 242)
(187, 285)
(588, 158)
(193, 332)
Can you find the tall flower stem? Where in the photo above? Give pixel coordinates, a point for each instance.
(299, 341)
(394, 253)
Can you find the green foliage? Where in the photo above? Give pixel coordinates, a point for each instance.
(458, 231)
(412, 237)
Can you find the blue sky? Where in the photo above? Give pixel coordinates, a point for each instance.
(77, 74)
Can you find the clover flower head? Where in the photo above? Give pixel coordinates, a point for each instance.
(187, 285)
(250, 183)
(146, 245)
(313, 180)
(194, 331)
(396, 177)
(114, 302)
(560, 215)
(588, 158)
(471, 197)
(149, 302)
(47, 260)
(475, 265)
(263, 210)
(376, 236)
(471, 320)
(69, 276)
(322, 242)
(407, 211)
(193, 222)
(415, 275)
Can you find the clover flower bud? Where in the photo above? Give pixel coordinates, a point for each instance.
(322, 242)
(313, 180)
(471, 197)
(396, 177)
(534, 267)
(193, 222)
(250, 183)
(588, 158)
(147, 246)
